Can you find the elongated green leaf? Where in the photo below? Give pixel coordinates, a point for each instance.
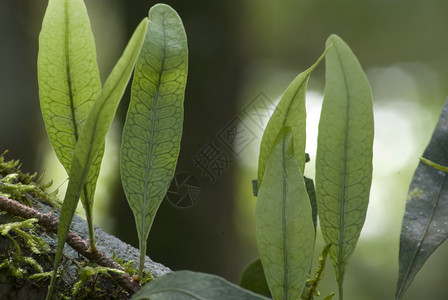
(290, 112)
(185, 285)
(69, 82)
(283, 222)
(93, 134)
(68, 74)
(425, 222)
(153, 128)
(344, 154)
(253, 279)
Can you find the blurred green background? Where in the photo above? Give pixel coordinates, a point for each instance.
(243, 54)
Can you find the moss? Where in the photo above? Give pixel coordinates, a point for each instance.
(91, 274)
(24, 187)
(416, 193)
(129, 267)
(26, 259)
(17, 264)
(25, 255)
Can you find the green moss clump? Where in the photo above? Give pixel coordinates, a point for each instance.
(23, 187)
(129, 267)
(17, 264)
(26, 257)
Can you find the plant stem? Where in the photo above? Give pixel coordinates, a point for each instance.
(141, 264)
(88, 207)
(341, 293)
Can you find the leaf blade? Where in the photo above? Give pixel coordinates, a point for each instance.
(68, 74)
(283, 221)
(183, 285)
(424, 227)
(69, 83)
(153, 128)
(344, 154)
(93, 135)
(290, 112)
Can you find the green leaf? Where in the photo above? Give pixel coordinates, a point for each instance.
(69, 83)
(344, 154)
(184, 285)
(425, 225)
(153, 128)
(284, 226)
(290, 112)
(93, 135)
(68, 74)
(253, 279)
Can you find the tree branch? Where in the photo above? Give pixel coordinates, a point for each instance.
(50, 223)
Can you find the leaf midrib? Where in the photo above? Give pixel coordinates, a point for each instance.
(293, 97)
(67, 71)
(284, 239)
(71, 96)
(344, 174)
(153, 123)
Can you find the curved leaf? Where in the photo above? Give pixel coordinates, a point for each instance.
(283, 222)
(94, 133)
(69, 82)
(344, 154)
(153, 128)
(290, 112)
(184, 285)
(425, 222)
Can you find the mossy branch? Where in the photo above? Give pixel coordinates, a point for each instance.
(50, 223)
